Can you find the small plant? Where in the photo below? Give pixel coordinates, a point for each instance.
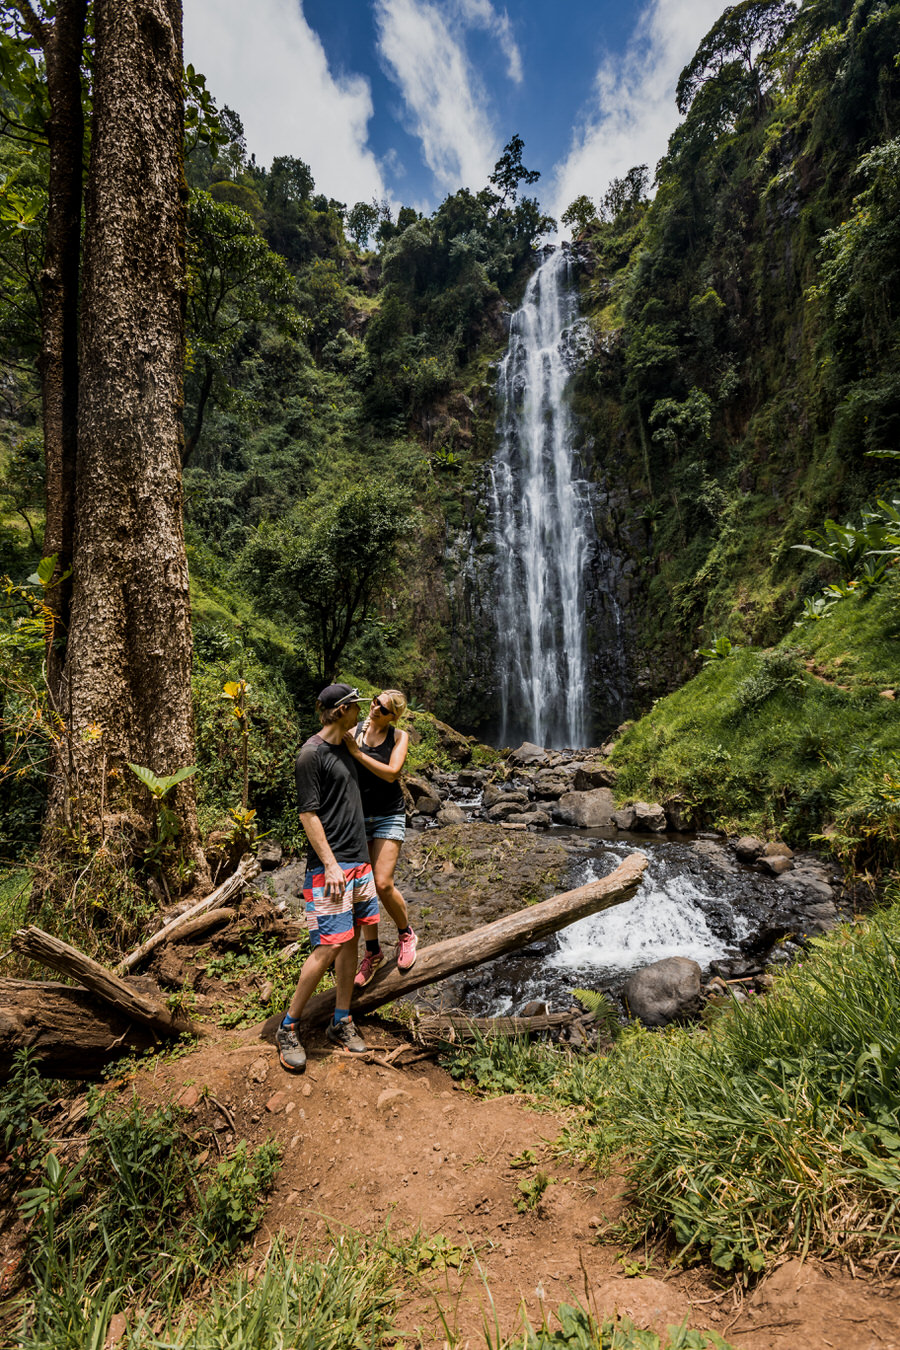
(601, 1009)
(168, 822)
(531, 1191)
(230, 1206)
(22, 1099)
(720, 650)
(236, 692)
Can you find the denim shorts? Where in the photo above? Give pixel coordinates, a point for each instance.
(386, 827)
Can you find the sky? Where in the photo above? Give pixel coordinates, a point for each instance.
(409, 100)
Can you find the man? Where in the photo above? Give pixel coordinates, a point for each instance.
(339, 889)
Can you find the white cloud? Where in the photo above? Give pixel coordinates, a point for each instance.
(481, 14)
(632, 113)
(446, 105)
(266, 62)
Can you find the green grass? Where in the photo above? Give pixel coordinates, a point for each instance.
(778, 740)
(777, 1129)
(15, 890)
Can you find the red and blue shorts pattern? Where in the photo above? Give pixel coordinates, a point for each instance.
(331, 921)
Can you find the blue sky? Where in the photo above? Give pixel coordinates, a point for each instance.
(410, 99)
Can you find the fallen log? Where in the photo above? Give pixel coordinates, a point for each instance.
(457, 1026)
(72, 1035)
(247, 869)
(483, 944)
(201, 924)
(103, 984)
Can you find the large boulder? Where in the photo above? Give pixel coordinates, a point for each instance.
(419, 787)
(269, 854)
(649, 819)
(551, 783)
(623, 819)
(667, 991)
(451, 814)
(594, 775)
(529, 754)
(539, 818)
(510, 804)
(455, 746)
(589, 810)
(748, 848)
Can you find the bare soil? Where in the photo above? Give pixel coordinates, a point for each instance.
(390, 1138)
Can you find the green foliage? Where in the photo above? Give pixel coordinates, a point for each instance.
(579, 1329)
(531, 1190)
(328, 560)
(774, 1130)
(229, 1206)
(720, 650)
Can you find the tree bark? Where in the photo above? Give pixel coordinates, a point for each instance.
(129, 649)
(58, 364)
(123, 998)
(483, 944)
(72, 1035)
(457, 1026)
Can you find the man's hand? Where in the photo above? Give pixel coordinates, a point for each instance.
(335, 881)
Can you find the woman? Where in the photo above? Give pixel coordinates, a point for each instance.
(380, 749)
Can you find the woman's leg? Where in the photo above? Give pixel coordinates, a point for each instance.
(384, 854)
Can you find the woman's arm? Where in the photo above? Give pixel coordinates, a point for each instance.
(389, 772)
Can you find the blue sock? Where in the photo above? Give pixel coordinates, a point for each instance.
(340, 1014)
(289, 1021)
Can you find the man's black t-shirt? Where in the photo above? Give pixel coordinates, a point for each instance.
(327, 786)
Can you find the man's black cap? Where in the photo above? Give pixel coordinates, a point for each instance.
(336, 694)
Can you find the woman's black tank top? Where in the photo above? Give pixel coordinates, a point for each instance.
(378, 797)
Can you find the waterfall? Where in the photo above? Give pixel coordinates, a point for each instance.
(540, 513)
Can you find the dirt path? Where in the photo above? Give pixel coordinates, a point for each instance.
(366, 1144)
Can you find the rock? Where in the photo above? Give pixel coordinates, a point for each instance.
(667, 991)
(419, 787)
(679, 814)
(551, 783)
(623, 819)
(455, 746)
(490, 796)
(451, 814)
(428, 806)
(586, 809)
(748, 848)
(389, 1097)
(594, 775)
(529, 754)
(471, 778)
(776, 864)
(510, 805)
(608, 748)
(807, 885)
(820, 919)
(538, 818)
(189, 1097)
(269, 854)
(649, 819)
(535, 1009)
(777, 849)
(276, 1102)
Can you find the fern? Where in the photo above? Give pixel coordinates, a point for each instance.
(601, 1009)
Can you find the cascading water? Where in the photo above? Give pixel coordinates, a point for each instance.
(540, 516)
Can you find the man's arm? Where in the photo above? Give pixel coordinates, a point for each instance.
(335, 884)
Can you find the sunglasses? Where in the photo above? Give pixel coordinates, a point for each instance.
(379, 707)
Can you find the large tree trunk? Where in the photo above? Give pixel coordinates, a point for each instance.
(63, 43)
(127, 674)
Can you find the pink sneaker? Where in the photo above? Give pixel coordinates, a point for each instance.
(406, 950)
(367, 968)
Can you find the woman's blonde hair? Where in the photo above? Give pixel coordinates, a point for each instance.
(395, 702)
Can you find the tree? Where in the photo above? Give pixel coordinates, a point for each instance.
(510, 172)
(361, 222)
(58, 31)
(327, 562)
(580, 214)
(737, 52)
(127, 663)
(235, 279)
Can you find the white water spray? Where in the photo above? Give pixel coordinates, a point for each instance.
(540, 511)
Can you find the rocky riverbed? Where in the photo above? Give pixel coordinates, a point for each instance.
(485, 842)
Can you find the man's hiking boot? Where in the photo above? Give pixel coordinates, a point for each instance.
(344, 1035)
(367, 968)
(406, 950)
(290, 1051)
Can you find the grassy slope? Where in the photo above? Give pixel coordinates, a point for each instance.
(782, 739)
